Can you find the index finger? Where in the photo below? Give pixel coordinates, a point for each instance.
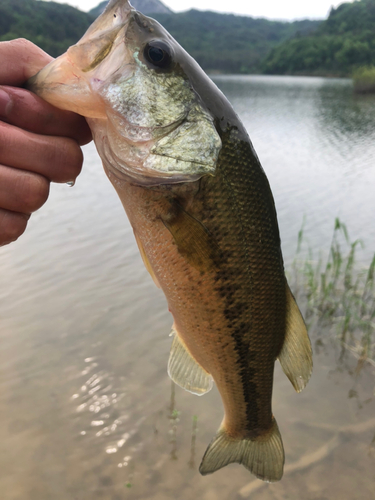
(41, 117)
(21, 59)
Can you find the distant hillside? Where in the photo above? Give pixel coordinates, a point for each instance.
(52, 26)
(145, 6)
(228, 43)
(219, 42)
(345, 41)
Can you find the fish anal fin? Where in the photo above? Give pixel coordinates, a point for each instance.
(263, 456)
(194, 242)
(185, 371)
(146, 262)
(296, 354)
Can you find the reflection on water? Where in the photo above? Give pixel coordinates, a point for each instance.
(86, 408)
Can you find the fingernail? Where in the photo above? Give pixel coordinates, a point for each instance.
(71, 183)
(5, 104)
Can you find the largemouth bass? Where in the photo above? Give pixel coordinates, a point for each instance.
(204, 219)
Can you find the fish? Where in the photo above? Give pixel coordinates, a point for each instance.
(203, 217)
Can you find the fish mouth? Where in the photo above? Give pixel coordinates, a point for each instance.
(71, 81)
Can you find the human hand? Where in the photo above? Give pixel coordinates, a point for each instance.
(38, 142)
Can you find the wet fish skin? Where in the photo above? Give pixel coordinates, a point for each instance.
(204, 218)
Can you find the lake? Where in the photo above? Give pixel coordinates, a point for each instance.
(86, 407)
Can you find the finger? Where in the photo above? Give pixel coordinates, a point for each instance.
(22, 191)
(12, 225)
(25, 110)
(21, 60)
(59, 159)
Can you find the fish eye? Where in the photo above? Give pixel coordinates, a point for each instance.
(158, 54)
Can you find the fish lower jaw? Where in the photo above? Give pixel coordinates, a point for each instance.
(119, 172)
(126, 174)
(139, 171)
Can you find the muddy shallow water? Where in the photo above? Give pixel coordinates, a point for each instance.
(86, 407)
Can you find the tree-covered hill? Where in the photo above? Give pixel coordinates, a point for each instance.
(144, 6)
(229, 43)
(219, 42)
(342, 43)
(52, 26)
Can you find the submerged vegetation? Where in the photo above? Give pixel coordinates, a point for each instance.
(338, 295)
(364, 80)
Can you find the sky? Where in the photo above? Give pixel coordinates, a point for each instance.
(272, 9)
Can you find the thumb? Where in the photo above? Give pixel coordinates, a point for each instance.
(20, 60)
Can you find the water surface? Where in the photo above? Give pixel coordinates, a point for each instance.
(86, 408)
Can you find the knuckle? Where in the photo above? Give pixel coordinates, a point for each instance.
(71, 159)
(77, 160)
(20, 42)
(16, 229)
(24, 47)
(12, 226)
(35, 191)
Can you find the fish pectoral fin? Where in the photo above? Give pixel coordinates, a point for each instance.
(146, 262)
(193, 240)
(263, 456)
(185, 371)
(296, 354)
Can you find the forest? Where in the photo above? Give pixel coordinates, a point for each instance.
(219, 42)
(340, 45)
(227, 43)
(222, 43)
(51, 26)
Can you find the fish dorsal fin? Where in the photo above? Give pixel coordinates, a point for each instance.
(146, 262)
(296, 354)
(185, 371)
(194, 242)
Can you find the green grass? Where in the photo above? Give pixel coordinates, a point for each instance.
(364, 80)
(338, 294)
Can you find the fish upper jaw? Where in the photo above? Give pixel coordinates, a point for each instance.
(73, 80)
(115, 15)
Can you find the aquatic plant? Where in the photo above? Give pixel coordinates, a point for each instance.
(336, 293)
(364, 80)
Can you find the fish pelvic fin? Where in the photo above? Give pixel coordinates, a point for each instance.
(185, 371)
(263, 456)
(146, 262)
(296, 354)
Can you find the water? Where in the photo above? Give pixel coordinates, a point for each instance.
(86, 408)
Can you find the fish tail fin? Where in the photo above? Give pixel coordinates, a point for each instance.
(263, 456)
